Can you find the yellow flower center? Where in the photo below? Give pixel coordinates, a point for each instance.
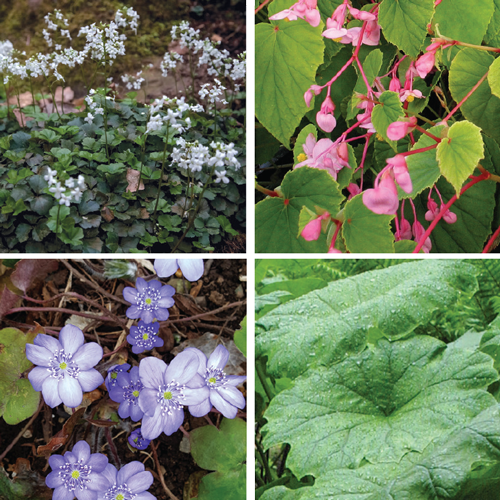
(301, 157)
(75, 474)
(148, 301)
(337, 39)
(136, 394)
(145, 336)
(63, 366)
(212, 380)
(114, 375)
(120, 496)
(380, 138)
(167, 395)
(410, 98)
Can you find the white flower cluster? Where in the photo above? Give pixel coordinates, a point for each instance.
(193, 156)
(55, 26)
(72, 190)
(6, 49)
(213, 95)
(170, 60)
(133, 82)
(93, 106)
(102, 44)
(132, 21)
(175, 110)
(218, 62)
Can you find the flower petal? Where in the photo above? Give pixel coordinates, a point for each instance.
(71, 339)
(61, 493)
(87, 494)
(147, 401)
(109, 472)
(218, 358)
(227, 409)
(98, 481)
(235, 380)
(98, 461)
(196, 396)
(202, 368)
(50, 391)
(151, 371)
(202, 409)
(129, 470)
(192, 269)
(232, 396)
(124, 409)
(165, 267)
(37, 377)
(133, 312)
(56, 461)
(141, 284)
(161, 314)
(136, 413)
(173, 422)
(152, 427)
(82, 451)
(145, 496)
(182, 368)
(54, 480)
(48, 342)
(90, 379)
(140, 482)
(38, 355)
(88, 356)
(129, 294)
(70, 391)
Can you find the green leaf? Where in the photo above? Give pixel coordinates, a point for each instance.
(266, 145)
(494, 77)
(423, 167)
(397, 300)
(277, 219)
(112, 168)
(229, 485)
(365, 231)
(492, 35)
(226, 225)
(18, 399)
(220, 449)
(482, 108)
(391, 398)
(463, 20)
(287, 56)
(240, 337)
(48, 135)
(459, 153)
(404, 23)
(388, 111)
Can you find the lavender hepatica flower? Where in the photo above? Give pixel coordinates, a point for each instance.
(129, 483)
(222, 388)
(77, 473)
(150, 300)
(126, 392)
(167, 388)
(192, 269)
(137, 440)
(144, 337)
(65, 366)
(113, 372)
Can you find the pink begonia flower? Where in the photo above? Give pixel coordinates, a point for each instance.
(353, 189)
(409, 95)
(313, 90)
(303, 9)
(371, 35)
(425, 64)
(404, 230)
(401, 174)
(383, 198)
(366, 116)
(399, 129)
(324, 117)
(449, 217)
(312, 229)
(334, 24)
(361, 15)
(325, 155)
(395, 85)
(418, 233)
(433, 212)
(334, 250)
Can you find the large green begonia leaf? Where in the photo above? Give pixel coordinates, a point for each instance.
(404, 23)
(391, 398)
(388, 111)
(338, 317)
(287, 56)
(277, 219)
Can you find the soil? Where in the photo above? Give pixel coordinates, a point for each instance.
(221, 286)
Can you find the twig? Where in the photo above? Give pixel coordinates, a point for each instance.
(60, 310)
(112, 446)
(162, 479)
(24, 429)
(216, 311)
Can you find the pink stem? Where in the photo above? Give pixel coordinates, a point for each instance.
(446, 207)
(416, 151)
(334, 239)
(420, 129)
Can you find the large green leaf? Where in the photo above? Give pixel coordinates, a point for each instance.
(365, 231)
(423, 167)
(388, 111)
(378, 405)
(482, 107)
(464, 20)
(494, 77)
(493, 34)
(18, 399)
(277, 219)
(439, 473)
(404, 23)
(459, 153)
(338, 317)
(287, 56)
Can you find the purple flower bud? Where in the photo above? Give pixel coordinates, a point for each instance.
(130, 482)
(111, 379)
(192, 269)
(144, 337)
(149, 300)
(78, 473)
(137, 440)
(65, 366)
(126, 392)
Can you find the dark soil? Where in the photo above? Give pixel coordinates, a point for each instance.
(221, 286)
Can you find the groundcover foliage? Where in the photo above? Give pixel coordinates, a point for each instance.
(120, 175)
(396, 102)
(392, 392)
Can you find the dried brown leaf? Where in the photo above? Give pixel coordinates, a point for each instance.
(133, 181)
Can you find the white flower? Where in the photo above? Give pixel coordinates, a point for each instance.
(57, 190)
(90, 118)
(221, 176)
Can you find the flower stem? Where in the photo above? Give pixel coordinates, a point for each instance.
(161, 174)
(268, 192)
(491, 241)
(428, 134)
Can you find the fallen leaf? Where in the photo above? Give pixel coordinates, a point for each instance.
(25, 99)
(67, 96)
(107, 214)
(21, 118)
(133, 181)
(144, 214)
